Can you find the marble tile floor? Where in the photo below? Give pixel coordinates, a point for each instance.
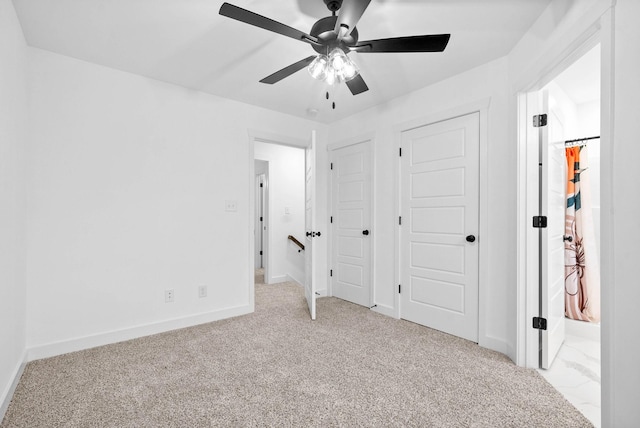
(576, 374)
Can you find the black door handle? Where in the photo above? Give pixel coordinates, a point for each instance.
(308, 233)
(317, 233)
(365, 232)
(470, 238)
(567, 238)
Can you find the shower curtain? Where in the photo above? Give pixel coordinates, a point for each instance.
(582, 276)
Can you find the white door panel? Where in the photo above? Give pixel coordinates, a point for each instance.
(351, 212)
(553, 206)
(439, 206)
(310, 227)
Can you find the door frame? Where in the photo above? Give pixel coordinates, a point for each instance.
(271, 138)
(599, 31)
(369, 139)
(481, 107)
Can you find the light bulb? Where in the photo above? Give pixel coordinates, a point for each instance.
(350, 70)
(338, 59)
(318, 67)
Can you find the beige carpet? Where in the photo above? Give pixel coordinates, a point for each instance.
(351, 367)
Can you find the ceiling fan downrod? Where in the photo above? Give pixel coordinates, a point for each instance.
(333, 5)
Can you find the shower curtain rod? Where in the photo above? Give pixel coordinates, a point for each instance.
(579, 140)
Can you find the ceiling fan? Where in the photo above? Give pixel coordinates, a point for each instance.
(333, 37)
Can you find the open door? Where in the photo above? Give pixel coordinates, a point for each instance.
(310, 226)
(552, 205)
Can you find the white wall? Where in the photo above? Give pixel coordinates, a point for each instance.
(128, 179)
(286, 191)
(13, 126)
(621, 341)
(474, 85)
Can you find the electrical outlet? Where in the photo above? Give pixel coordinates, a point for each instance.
(202, 291)
(169, 296)
(231, 205)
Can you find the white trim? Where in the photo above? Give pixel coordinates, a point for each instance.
(107, 338)
(280, 278)
(362, 138)
(578, 40)
(292, 279)
(7, 394)
(607, 227)
(482, 108)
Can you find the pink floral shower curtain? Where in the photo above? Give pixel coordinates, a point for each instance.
(582, 276)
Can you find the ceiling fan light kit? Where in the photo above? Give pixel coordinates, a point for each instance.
(333, 37)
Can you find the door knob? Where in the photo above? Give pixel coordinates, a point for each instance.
(470, 238)
(318, 233)
(365, 232)
(308, 233)
(567, 238)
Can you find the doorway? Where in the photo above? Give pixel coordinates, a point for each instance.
(280, 202)
(566, 192)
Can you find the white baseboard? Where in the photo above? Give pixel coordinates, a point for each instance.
(278, 279)
(583, 329)
(291, 278)
(7, 394)
(100, 339)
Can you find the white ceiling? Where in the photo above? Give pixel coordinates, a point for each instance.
(186, 42)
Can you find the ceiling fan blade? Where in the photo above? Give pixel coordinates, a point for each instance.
(350, 13)
(288, 71)
(251, 18)
(357, 85)
(429, 43)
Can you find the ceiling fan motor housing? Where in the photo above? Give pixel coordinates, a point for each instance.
(323, 30)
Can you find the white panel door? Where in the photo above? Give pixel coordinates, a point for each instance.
(553, 202)
(438, 234)
(310, 227)
(351, 223)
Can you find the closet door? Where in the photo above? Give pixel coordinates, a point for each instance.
(438, 236)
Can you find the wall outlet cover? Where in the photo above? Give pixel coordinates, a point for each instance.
(202, 291)
(169, 296)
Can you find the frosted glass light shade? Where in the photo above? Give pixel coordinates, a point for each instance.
(338, 60)
(318, 67)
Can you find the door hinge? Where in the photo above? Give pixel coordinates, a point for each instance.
(539, 120)
(540, 221)
(331, 219)
(331, 165)
(400, 151)
(540, 323)
(399, 288)
(331, 272)
(261, 185)
(260, 218)
(260, 252)
(400, 220)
